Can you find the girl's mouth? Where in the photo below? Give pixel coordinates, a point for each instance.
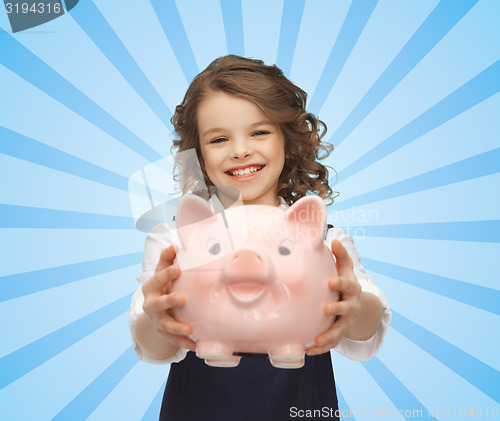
(248, 172)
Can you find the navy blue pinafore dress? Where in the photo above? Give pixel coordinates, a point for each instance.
(254, 390)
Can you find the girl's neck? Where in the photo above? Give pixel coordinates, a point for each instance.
(272, 201)
(230, 197)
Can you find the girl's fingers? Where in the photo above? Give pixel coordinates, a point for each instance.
(344, 262)
(167, 258)
(169, 301)
(329, 339)
(341, 308)
(165, 302)
(335, 333)
(161, 280)
(317, 350)
(181, 341)
(172, 326)
(346, 285)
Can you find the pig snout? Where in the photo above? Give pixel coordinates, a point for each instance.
(247, 275)
(247, 263)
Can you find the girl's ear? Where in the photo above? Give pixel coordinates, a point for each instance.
(309, 216)
(192, 209)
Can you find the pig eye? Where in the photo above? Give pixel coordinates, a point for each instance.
(286, 247)
(213, 246)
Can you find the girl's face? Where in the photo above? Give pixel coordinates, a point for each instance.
(241, 147)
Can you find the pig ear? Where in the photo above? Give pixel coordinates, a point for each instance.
(309, 213)
(192, 209)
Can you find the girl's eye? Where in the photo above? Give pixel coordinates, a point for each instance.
(261, 133)
(219, 140)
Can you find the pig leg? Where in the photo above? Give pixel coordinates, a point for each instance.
(226, 362)
(288, 364)
(287, 356)
(217, 354)
(214, 350)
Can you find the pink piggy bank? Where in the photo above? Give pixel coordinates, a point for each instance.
(255, 279)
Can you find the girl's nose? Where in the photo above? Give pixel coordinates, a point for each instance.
(241, 149)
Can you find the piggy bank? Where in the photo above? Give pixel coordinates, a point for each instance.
(255, 279)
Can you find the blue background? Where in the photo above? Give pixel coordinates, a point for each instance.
(409, 92)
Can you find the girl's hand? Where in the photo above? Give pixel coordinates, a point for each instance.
(158, 301)
(348, 306)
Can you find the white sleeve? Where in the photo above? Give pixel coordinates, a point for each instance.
(156, 241)
(361, 350)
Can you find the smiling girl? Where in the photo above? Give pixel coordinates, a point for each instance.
(250, 129)
(241, 147)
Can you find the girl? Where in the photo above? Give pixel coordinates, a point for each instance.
(241, 114)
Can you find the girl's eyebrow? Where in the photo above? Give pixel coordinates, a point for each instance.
(262, 122)
(215, 129)
(218, 129)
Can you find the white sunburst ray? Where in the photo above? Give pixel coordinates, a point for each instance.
(91, 397)
(143, 382)
(372, 54)
(233, 26)
(41, 186)
(461, 325)
(425, 84)
(460, 202)
(383, 247)
(141, 33)
(4, 22)
(467, 262)
(204, 28)
(435, 149)
(463, 201)
(360, 391)
(47, 248)
(262, 30)
(291, 20)
(432, 382)
(428, 255)
(41, 191)
(152, 412)
(431, 151)
(63, 304)
(111, 90)
(57, 381)
(317, 34)
(353, 26)
(34, 249)
(100, 82)
(63, 293)
(90, 19)
(434, 78)
(54, 124)
(442, 258)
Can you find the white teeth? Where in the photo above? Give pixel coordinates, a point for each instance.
(246, 171)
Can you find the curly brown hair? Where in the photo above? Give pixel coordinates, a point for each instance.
(282, 101)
